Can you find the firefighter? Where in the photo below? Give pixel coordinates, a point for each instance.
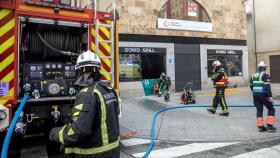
(220, 81)
(164, 84)
(94, 127)
(260, 86)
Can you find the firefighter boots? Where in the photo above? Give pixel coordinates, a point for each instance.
(224, 114)
(212, 111)
(262, 129)
(270, 128)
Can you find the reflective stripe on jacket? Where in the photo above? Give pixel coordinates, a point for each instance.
(258, 83)
(222, 82)
(220, 78)
(94, 127)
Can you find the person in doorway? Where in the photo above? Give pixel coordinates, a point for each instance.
(220, 81)
(260, 86)
(164, 85)
(94, 127)
(235, 70)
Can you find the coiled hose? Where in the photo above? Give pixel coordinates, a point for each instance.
(9, 134)
(151, 146)
(53, 43)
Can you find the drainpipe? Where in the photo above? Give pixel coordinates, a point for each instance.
(255, 34)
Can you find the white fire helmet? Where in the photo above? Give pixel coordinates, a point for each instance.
(262, 64)
(88, 59)
(216, 63)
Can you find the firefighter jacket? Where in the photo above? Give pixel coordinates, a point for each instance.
(94, 127)
(164, 80)
(220, 78)
(260, 83)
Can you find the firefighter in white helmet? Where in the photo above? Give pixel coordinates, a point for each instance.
(260, 86)
(94, 127)
(220, 81)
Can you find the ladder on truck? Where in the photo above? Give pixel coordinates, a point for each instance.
(111, 41)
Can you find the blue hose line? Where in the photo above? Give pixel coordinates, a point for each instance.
(151, 146)
(5, 147)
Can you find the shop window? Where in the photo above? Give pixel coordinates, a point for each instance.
(231, 63)
(130, 67)
(189, 10)
(134, 67)
(50, 1)
(65, 2)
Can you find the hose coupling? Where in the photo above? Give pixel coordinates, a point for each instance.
(20, 128)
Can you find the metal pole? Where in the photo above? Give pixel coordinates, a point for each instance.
(113, 44)
(255, 34)
(95, 10)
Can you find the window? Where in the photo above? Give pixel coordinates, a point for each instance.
(232, 63)
(51, 1)
(134, 67)
(65, 2)
(130, 67)
(189, 10)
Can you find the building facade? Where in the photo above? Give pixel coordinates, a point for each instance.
(263, 35)
(182, 38)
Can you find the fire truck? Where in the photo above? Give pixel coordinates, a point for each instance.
(39, 44)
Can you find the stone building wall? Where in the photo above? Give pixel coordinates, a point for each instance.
(265, 56)
(140, 17)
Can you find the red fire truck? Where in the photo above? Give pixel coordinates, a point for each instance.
(39, 44)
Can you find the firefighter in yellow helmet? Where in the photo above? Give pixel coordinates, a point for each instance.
(94, 127)
(260, 86)
(220, 81)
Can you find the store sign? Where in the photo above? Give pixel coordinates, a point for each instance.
(141, 50)
(184, 25)
(224, 52)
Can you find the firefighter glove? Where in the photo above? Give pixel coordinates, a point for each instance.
(53, 136)
(270, 99)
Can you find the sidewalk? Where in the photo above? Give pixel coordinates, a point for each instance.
(196, 124)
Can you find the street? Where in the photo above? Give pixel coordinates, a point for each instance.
(153, 78)
(269, 148)
(256, 148)
(190, 132)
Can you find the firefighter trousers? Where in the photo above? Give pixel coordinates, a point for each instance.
(261, 100)
(220, 99)
(164, 87)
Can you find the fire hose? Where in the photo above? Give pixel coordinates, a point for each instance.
(9, 134)
(152, 143)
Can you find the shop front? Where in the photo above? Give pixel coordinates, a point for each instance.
(234, 60)
(137, 63)
(140, 60)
